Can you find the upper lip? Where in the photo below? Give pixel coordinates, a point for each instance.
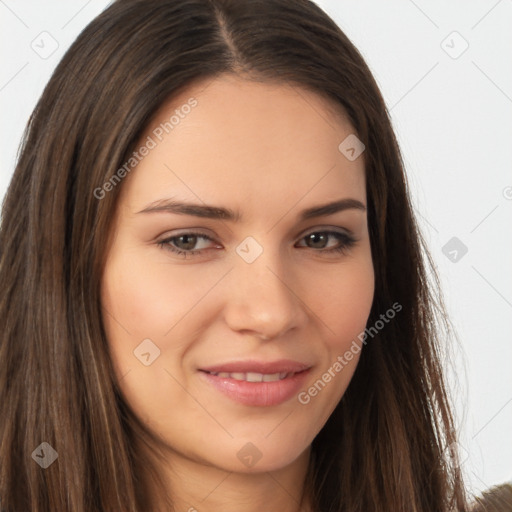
(264, 367)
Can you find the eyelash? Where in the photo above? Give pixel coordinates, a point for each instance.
(347, 242)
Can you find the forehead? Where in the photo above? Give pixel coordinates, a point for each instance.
(256, 143)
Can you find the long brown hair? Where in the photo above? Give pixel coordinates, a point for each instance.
(385, 446)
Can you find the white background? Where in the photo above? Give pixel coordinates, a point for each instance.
(453, 118)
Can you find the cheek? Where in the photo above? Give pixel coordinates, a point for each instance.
(345, 314)
(143, 302)
(343, 300)
(154, 301)
(148, 300)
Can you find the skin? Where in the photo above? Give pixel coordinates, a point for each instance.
(268, 151)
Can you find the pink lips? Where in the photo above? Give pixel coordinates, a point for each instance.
(286, 379)
(283, 365)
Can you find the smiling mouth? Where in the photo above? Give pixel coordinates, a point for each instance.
(253, 376)
(254, 388)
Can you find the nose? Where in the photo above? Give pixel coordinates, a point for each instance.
(261, 299)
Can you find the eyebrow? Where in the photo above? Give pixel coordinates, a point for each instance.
(217, 212)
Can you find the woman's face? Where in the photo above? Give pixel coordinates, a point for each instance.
(235, 351)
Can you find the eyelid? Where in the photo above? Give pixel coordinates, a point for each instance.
(321, 229)
(168, 235)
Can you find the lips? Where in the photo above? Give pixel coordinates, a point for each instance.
(257, 383)
(253, 376)
(263, 367)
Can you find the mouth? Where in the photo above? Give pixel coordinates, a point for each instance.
(253, 376)
(256, 383)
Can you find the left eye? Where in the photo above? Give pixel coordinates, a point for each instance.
(345, 241)
(185, 244)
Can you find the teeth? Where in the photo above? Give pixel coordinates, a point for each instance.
(253, 376)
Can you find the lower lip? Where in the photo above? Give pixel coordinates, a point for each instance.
(263, 394)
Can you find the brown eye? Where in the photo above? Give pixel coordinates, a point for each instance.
(319, 240)
(185, 244)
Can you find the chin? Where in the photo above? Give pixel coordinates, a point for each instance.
(251, 458)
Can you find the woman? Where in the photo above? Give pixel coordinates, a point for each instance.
(216, 295)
